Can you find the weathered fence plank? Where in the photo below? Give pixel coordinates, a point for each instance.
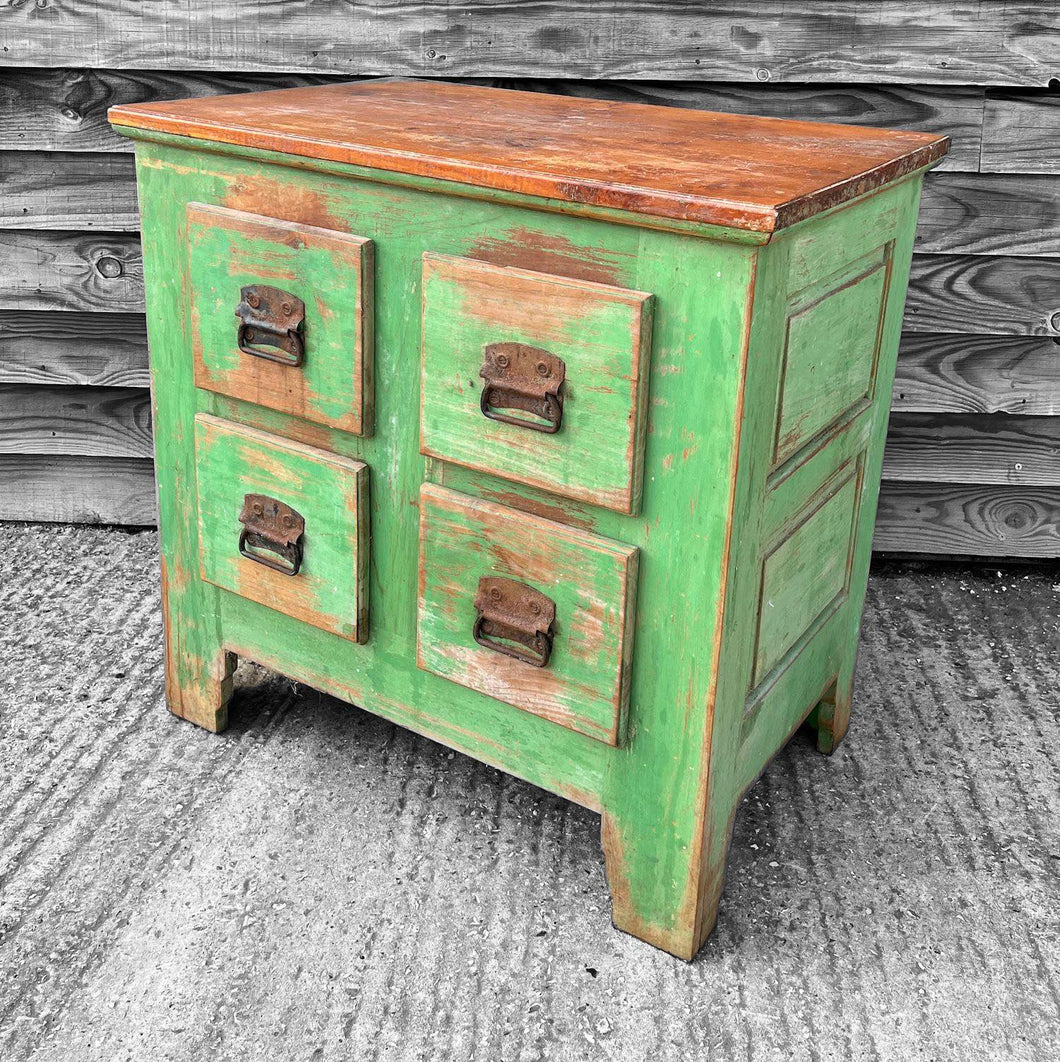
(90, 421)
(1013, 450)
(958, 519)
(82, 490)
(1021, 133)
(991, 42)
(73, 348)
(977, 374)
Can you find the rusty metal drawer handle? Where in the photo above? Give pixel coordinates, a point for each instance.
(526, 378)
(276, 528)
(270, 324)
(514, 619)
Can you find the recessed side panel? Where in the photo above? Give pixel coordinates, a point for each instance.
(830, 356)
(806, 573)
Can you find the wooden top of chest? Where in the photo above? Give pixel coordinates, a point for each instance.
(759, 174)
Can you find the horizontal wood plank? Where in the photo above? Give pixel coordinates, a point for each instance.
(977, 374)
(73, 348)
(1021, 133)
(985, 213)
(86, 421)
(992, 294)
(997, 449)
(80, 490)
(67, 190)
(66, 109)
(967, 520)
(70, 271)
(991, 42)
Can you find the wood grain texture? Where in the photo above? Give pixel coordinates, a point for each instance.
(91, 421)
(956, 112)
(944, 519)
(70, 271)
(977, 374)
(96, 349)
(983, 213)
(973, 449)
(75, 489)
(994, 294)
(67, 190)
(756, 174)
(65, 109)
(1021, 133)
(591, 580)
(988, 43)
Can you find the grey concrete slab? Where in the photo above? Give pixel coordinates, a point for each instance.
(317, 884)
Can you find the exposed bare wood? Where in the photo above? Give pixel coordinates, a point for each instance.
(977, 374)
(1022, 451)
(70, 271)
(957, 111)
(93, 349)
(994, 294)
(987, 43)
(90, 421)
(992, 521)
(81, 490)
(67, 190)
(1021, 133)
(979, 213)
(66, 109)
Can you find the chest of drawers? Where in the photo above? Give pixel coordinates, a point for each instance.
(548, 428)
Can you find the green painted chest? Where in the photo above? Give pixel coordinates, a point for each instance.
(550, 429)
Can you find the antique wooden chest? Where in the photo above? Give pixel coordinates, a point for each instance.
(548, 428)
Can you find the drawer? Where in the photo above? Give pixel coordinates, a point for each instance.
(283, 524)
(281, 315)
(536, 378)
(494, 581)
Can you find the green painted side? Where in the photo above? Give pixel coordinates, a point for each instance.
(711, 507)
(329, 492)
(226, 257)
(603, 336)
(829, 359)
(805, 573)
(591, 581)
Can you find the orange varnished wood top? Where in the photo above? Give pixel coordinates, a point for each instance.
(737, 171)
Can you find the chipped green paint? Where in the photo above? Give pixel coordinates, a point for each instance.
(713, 505)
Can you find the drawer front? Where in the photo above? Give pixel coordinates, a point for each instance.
(300, 339)
(489, 579)
(569, 356)
(326, 538)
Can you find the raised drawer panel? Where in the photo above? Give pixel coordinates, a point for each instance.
(590, 580)
(328, 492)
(513, 325)
(328, 272)
(829, 358)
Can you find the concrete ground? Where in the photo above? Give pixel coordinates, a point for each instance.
(317, 884)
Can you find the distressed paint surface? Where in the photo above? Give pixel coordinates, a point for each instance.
(592, 582)
(331, 494)
(330, 271)
(602, 333)
(712, 502)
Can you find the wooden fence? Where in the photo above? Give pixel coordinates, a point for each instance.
(973, 456)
